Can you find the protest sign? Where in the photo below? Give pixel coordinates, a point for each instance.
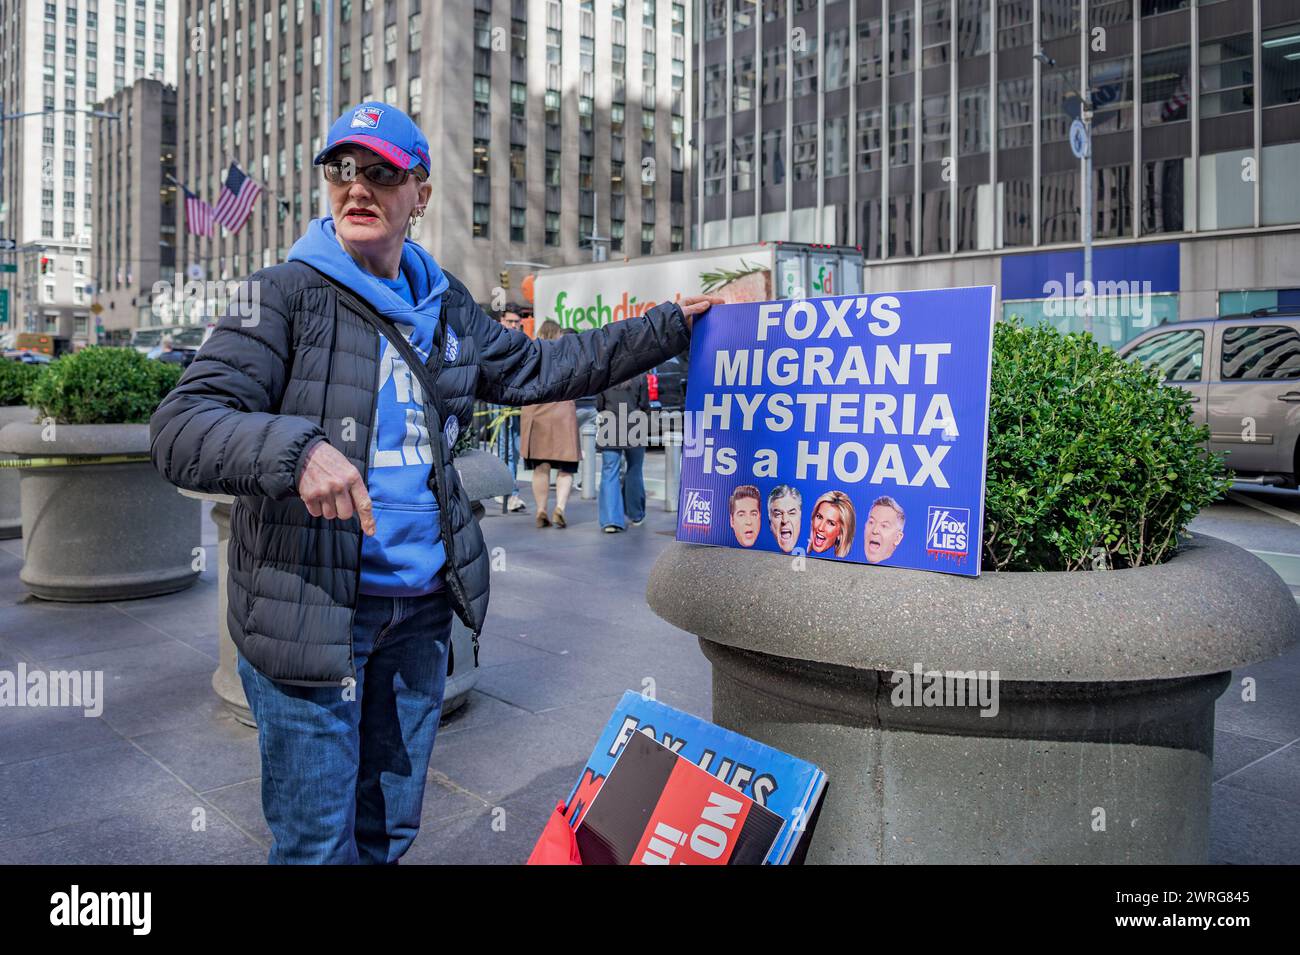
(790, 787)
(847, 428)
(658, 808)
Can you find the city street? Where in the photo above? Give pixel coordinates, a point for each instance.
(166, 775)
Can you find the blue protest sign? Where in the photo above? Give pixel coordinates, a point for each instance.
(847, 428)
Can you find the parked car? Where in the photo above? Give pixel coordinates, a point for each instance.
(1243, 373)
(27, 356)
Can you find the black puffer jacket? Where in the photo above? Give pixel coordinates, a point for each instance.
(304, 368)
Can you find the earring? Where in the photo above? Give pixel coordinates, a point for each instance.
(418, 213)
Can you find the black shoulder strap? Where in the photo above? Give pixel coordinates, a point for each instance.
(389, 330)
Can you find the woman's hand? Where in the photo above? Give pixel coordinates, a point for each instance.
(698, 305)
(332, 488)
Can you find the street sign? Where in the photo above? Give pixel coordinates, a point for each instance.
(8, 266)
(1079, 144)
(4, 306)
(8, 245)
(96, 308)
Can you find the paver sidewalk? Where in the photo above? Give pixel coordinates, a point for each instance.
(167, 776)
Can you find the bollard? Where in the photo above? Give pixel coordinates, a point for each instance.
(588, 432)
(672, 470)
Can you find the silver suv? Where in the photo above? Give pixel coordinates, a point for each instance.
(1243, 373)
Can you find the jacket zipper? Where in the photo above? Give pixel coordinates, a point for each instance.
(438, 484)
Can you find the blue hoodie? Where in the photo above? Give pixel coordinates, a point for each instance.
(406, 555)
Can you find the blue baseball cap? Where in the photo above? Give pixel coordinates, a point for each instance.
(383, 129)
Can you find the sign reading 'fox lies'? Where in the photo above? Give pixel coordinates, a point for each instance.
(850, 428)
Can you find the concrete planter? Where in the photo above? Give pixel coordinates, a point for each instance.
(11, 524)
(1101, 746)
(483, 475)
(101, 531)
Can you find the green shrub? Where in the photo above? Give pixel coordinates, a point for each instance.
(1092, 462)
(15, 378)
(99, 385)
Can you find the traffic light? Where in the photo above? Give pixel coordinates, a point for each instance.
(47, 265)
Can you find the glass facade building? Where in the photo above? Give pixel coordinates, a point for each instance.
(932, 130)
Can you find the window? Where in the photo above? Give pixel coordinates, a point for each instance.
(805, 69)
(1015, 112)
(1227, 75)
(1166, 90)
(773, 74)
(935, 121)
(973, 120)
(1015, 23)
(773, 170)
(805, 152)
(742, 163)
(1112, 95)
(1057, 86)
(742, 83)
(836, 151)
(1253, 352)
(973, 28)
(837, 59)
(869, 47)
(715, 89)
(900, 41)
(482, 216)
(518, 222)
(869, 133)
(1280, 65)
(715, 168)
(936, 32)
(900, 134)
(715, 19)
(552, 228)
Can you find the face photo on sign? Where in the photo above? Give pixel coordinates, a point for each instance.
(784, 513)
(744, 507)
(833, 521)
(884, 531)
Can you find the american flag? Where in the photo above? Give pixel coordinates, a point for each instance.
(235, 204)
(198, 214)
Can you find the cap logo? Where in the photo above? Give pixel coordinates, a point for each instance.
(367, 117)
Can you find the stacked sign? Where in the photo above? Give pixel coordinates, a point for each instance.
(662, 786)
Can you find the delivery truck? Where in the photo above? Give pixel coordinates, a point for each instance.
(588, 296)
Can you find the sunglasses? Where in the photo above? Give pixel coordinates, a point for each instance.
(380, 173)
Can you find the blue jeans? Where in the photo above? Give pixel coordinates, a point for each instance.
(622, 499)
(343, 768)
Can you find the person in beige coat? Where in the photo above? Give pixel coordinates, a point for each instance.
(548, 438)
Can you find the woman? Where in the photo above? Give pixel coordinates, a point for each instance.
(832, 524)
(548, 438)
(327, 401)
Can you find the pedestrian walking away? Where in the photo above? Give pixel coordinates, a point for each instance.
(622, 432)
(327, 402)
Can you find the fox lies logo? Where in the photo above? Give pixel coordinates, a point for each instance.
(698, 508)
(947, 532)
(367, 117)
